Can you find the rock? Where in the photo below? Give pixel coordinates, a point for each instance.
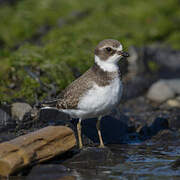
(176, 164)
(145, 132)
(18, 110)
(53, 117)
(174, 122)
(35, 147)
(4, 118)
(6, 124)
(136, 61)
(133, 60)
(49, 172)
(91, 157)
(174, 84)
(4, 136)
(164, 89)
(165, 135)
(158, 124)
(164, 56)
(132, 138)
(160, 91)
(173, 103)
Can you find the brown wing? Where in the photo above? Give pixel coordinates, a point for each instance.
(69, 97)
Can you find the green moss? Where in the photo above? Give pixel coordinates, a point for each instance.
(153, 66)
(69, 49)
(174, 39)
(22, 21)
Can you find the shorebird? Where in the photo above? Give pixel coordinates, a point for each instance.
(97, 91)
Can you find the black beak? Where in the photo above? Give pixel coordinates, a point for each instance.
(124, 54)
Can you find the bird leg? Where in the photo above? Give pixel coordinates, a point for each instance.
(99, 132)
(79, 134)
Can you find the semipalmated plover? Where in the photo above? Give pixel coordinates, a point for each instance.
(97, 91)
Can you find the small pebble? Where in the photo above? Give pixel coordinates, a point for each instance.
(173, 103)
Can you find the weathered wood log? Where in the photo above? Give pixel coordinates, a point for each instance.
(34, 147)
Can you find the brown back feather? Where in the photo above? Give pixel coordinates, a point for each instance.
(69, 98)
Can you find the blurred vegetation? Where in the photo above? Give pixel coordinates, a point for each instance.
(50, 39)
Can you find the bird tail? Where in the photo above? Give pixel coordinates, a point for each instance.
(48, 103)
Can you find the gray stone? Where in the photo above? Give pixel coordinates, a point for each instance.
(176, 164)
(173, 103)
(174, 84)
(164, 56)
(91, 157)
(133, 60)
(6, 124)
(160, 91)
(18, 110)
(165, 135)
(4, 118)
(49, 172)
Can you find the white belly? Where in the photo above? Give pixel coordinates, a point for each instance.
(98, 100)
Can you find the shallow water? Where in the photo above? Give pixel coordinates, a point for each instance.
(143, 161)
(136, 161)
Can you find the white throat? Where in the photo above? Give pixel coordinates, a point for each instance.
(105, 65)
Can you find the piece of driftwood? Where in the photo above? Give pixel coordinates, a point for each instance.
(34, 148)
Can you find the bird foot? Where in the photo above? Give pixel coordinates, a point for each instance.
(80, 146)
(101, 146)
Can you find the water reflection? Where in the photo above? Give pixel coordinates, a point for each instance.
(143, 161)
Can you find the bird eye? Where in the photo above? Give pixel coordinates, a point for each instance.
(108, 49)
